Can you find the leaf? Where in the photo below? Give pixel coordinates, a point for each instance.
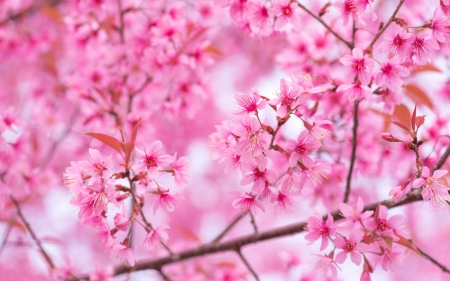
(127, 148)
(52, 13)
(405, 242)
(401, 116)
(418, 95)
(135, 130)
(377, 212)
(111, 141)
(189, 234)
(413, 119)
(427, 67)
(388, 241)
(213, 50)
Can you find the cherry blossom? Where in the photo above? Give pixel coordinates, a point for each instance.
(434, 188)
(351, 247)
(358, 65)
(319, 229)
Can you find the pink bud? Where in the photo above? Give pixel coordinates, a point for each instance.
(388, 137)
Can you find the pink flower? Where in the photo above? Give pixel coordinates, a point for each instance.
(259, 18)
(400, 190)
(305, 145)
(358, 65)
(313, 172)
(156, 236)
(434, 188)
(121, 222)
(384, 226)
(283, 203)
(355, 92)
(152, 160)
(286, 98)
(246, 202)
(259, 176)
(319, 229)
(422, 45)
(397, 42)
(124, 254)
(166, 200)
(348, 8)
(351, 247)
(440, 26)
(290, 183)
(390, 73)
(252, 140)
(97, 167)
(353, 215)
(73, 177)
(102, 274)
(324, 265)
(286, 13)
(390, 259)
(317, 131)
(249, 103)
(181, 170)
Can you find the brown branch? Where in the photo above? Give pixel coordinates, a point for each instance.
(228, 228)
(238, 243)
(253, 222)
(28, 11)
(442, 160)
(431, 259)
(7, 232)
(353, 156)
(244, 260)
(386, 25)
(349, 44)
(33, 235)
(121, 27)
(147, 223)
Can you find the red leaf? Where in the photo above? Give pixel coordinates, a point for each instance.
(413, 119)
(418, 95)
(427, 67)
(111, 141)
(135, 130)
(405, 242)
(377, 211)
(401, 117)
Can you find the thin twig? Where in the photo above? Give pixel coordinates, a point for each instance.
(442, 160)
(147, 223)
(353, 156)
(33, 235)
(274, 134)
(386, 25)
(7, 232)
(440, 265)
(228, 228)
(164, 276)
(349, 44)
(244, 260)
(121, 27)
(252, 220)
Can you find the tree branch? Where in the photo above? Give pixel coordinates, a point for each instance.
(252, 220)
(441, 266)
(386, 25)
(238, 243)
(244, 260)
(353, 156)
(349, 44)
(228, 228)
(33, 235)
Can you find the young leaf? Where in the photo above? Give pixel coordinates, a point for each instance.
(405, 242)
(413, 119)
(111, 141)
(419, 95)
(135, 130)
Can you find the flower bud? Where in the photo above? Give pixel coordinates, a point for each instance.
(388, 137)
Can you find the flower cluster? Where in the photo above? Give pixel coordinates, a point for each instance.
(362, 237)
(245, 144)
(99, 194)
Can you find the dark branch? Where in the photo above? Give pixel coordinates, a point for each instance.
(244, 260)
(441, 266)
(353, 156)
(349, 44)
(33, 235)
(386, 25)
(228, 228)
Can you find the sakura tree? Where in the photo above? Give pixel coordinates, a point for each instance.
(224, 140)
